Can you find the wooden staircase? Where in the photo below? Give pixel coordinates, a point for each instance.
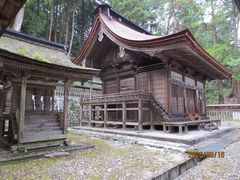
(42, 126)
(160, 109)
(15, 124)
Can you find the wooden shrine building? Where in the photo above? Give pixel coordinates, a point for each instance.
(147, 79)
(30, 70)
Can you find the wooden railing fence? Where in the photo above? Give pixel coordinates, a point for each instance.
(224, 112)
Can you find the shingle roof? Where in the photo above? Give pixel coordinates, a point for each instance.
(37, 51)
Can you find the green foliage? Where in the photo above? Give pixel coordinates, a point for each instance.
(36, 19)
(213, 93)
(137, 11)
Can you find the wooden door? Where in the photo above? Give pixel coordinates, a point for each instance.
(190, 100)
(177, 104)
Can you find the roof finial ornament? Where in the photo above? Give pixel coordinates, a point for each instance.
(108, 14)
(100, 10)
(121, 51)
(100, 35)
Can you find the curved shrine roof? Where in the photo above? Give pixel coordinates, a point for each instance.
(120, 31)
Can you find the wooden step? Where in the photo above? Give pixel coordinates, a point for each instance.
(41, 129)
(39, 124)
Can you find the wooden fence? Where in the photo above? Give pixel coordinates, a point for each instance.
(225, 112)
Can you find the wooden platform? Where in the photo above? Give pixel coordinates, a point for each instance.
(183, 125)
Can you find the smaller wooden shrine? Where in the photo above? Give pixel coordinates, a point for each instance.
(147, 80)
(30, 70)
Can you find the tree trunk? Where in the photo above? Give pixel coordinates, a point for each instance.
(83, 24)
(18, 20)
(72, 35)
(56, 21)
(235, 22)
(214, 30)
(67, 25)
(51, 23)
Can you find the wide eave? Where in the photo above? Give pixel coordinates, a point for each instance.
(181, 47)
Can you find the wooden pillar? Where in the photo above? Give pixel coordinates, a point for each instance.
(90, 105)
(53, 99)
(185, 99)
(169, 91)
(22, 109)
(81, 114)
(151, 120)
(105, 115)
(65, 107)
(140, 117)
(124, 114)
(90, 115)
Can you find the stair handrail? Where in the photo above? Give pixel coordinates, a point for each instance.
(160, 104)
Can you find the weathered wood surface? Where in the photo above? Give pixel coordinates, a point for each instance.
(225, 112)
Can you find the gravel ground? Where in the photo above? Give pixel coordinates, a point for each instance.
(217, 168)
(109, 160)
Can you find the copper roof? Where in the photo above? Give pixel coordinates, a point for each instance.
(134, 39)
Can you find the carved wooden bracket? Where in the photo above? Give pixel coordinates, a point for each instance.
(121, 51)
(100, 35)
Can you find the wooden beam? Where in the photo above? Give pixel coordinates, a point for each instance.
(65, 107)
(22, 109)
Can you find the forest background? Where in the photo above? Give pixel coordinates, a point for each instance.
(214, 23)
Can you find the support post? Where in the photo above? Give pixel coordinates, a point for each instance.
(22, 109)
(105, 115)
(151, 120)
(140, 128)
(124, 114)
(65, 108)
(90, 105)
(80, 114)
(90, 115)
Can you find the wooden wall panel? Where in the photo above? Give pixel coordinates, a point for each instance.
(127, 84)
(143, 81)
(110, 86)
(159, 86)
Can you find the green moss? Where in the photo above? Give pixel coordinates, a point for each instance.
(23, 52)
(37, 55)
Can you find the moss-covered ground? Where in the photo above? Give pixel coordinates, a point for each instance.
(108, 160)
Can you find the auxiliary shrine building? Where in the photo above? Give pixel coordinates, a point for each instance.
(30, 70)
(147, 79)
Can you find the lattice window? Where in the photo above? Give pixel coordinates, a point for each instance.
(177, 99)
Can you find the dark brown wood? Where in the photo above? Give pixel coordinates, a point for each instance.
(65, 107)
(22, 109)
(140, 115)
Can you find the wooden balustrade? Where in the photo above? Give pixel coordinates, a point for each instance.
(225, 112)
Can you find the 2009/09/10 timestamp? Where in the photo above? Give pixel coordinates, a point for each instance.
(199, 154)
